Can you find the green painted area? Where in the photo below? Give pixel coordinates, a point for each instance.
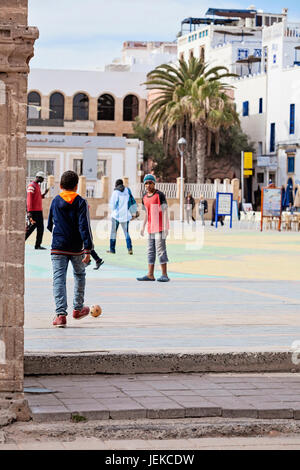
(122, 265)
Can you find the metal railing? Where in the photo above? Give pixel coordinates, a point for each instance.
(208, 190)
(169, 189)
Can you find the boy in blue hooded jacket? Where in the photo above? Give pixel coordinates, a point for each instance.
(72, 241)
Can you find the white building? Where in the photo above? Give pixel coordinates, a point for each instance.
(143, 56)
(81, 120)
(268, 104)
(93, 157)
(264, 50)
(233, 41)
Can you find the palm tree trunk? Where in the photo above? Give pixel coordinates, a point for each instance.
(189, 152)
(201, 143)
(208, 143)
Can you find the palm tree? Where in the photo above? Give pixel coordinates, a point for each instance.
(192, 99)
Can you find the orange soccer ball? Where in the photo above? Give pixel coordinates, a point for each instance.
(95, 310)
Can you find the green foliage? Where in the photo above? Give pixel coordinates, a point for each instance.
(153, 148)
(232, 142)
(192, 94)
(78, 418)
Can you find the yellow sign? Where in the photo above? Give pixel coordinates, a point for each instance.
(248, 160)
(247, 172)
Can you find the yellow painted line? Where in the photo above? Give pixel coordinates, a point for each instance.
(262, 294)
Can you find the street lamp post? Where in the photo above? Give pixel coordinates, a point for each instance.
(181, 144)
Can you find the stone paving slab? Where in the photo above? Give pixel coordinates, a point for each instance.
(165, 396)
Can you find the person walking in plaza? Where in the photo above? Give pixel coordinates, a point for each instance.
(123, 205)
(72, 241)
(156, 216)
(203, 208)
(189, 207)
(35, 210)
(213, 218)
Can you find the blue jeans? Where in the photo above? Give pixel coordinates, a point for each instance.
(113, 234)
(60, 267)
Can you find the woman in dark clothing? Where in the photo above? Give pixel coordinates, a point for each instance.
(213, 218)
(189, 207)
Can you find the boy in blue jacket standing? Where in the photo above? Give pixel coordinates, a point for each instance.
(71, 241)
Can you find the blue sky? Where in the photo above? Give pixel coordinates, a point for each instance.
(77, 34)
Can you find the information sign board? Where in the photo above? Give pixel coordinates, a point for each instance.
(271, 204)
(224, 206)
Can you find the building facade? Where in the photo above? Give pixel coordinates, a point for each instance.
(80, 102)
(93, 157)
(268, 104)
(263, 49)
(77, 118)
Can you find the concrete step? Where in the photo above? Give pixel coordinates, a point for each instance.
(147, 363)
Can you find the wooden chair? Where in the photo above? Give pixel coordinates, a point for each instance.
(286, 221)
(295, 221)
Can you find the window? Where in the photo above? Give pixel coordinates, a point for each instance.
(243, 54)
(80, 107)
(267, 21)
(259, 148)
(77, 166)
(274, 58)
(246, 108)
(80, 133)
(34, 105)
(130, 108)
(259, 20)
(291, 164)
(57, 106)
(101, 169)
(257, 52)
(272, 137)
(260, 106)
(292, 119)
(106, 108)
(106, 134)
(260, 178)
(33, 166)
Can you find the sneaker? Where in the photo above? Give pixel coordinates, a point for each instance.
(79, 314)
(99, 263)
(40, 248)
(112, 252)
(130, 252)
(60, 321)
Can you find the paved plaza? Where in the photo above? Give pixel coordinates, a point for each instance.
(231, 290)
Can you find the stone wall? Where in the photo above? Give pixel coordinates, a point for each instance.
(16, 49)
